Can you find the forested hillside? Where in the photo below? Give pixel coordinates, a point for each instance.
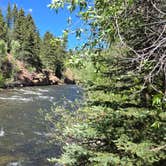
(23, 53)
(122, 66)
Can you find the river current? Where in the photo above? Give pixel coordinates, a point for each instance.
(23, 133)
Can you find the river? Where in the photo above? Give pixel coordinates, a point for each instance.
(23, 133)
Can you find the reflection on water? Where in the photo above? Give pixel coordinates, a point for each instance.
(23, 134)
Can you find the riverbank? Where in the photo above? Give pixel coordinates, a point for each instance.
(40, 79)
(23, 77)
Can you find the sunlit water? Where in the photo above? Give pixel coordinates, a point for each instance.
(23, 133)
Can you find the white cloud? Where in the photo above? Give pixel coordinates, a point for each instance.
(30, 10)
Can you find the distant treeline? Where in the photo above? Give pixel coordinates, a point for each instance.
(20, 37)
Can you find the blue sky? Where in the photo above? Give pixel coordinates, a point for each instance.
(45, 18)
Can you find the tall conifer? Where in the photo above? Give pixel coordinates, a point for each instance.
(32, 43)
(20, 29)
(53, 53)
(2, 27)
(14, 13)
(9, 16)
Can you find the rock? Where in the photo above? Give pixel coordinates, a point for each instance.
(13, 85)
(54, 80)
(35, 81)
(23, 77)
(68, 77)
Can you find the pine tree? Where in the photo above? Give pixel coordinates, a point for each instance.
(14, 13)
(14, 17)
(25, 32)
(9, 27)
(47, 50)
(20, 29)
(9, 16)
(32, 43)
(52, 53)
(2, 27)
(37, 50)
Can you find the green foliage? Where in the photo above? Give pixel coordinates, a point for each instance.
(21, 41)
(15, 47)
(3, 48)
(9, 16)
(114, 128)
(14, 13)
(26, 34)
(24, 43)
(2, 81)
(5, 68)
(52, 53)
(20, 27)
(123, 124)
(3, 28)
(32, 44)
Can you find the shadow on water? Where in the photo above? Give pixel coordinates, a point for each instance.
(23, 134)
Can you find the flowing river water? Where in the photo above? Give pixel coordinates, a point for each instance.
(23, 133)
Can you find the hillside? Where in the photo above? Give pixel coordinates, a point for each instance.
(24, 77)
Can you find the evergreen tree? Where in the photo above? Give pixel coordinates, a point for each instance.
(52, 53)
(9, 16)
(37, 50)
(116, 127)
(14, 13)
(2, 27)
(9, 27)
(25, 32)
(14, 17)
(47, 50)
(32, 43)
(20, 29)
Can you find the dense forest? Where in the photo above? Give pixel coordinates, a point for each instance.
(123, 69)
(24, 51)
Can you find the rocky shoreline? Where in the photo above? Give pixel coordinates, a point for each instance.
(23, 77)
(46, 77)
